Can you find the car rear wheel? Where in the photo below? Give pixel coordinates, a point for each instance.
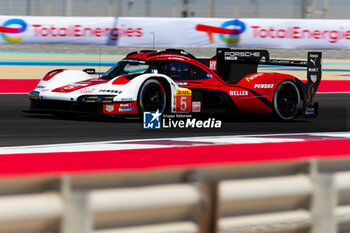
(286, 101)
(152, 97)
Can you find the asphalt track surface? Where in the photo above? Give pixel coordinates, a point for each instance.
(18, 128)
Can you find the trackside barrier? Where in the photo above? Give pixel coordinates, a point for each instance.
(302, 196)
(177, 32)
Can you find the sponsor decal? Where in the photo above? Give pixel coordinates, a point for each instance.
(78, 86)
(263, 85)
(296, 32)
(126, 99)
(242, 54)
(86, 91)
(68, 87)
(125, 104)
(133, 60)
(182, 83)
(229, 32)
(15, 26)
(212, 65)
(238, 93)
(78, 30)
(72, 86)
(126, 109)
(313, 78)
(110, 91)
(231, 58)
(81, 84)
(151, 120)
(254, 76)
(196, 106)
(184, 92)
(14, 29)
(313, 69)
(184, 52)
(119, 108)
(313, 61)
(183, 101)
(109, 107)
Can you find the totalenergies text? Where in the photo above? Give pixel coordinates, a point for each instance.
(81, 31)
(333, 36)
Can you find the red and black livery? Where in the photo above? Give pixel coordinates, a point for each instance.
(229, 81)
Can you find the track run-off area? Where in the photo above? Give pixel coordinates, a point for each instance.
(18, 128)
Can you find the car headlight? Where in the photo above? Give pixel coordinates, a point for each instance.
(96, 98)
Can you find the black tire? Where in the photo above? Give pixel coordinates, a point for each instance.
(286, 101)
(151, 97)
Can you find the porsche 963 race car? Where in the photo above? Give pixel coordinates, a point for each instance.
(174, 81)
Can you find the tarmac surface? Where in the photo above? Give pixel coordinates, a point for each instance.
(18, 128)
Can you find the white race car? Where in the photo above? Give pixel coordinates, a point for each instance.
(130, 87)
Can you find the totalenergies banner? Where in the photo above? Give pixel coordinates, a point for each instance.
(177, 32)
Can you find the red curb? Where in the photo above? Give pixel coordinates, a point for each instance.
(175, 157)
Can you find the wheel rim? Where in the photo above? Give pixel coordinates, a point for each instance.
(153, 98)
(287, 100)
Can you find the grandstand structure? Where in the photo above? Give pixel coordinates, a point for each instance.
(335, 9)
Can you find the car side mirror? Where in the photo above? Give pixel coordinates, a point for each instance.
(90, 71)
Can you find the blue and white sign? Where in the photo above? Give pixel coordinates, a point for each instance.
(151, 120)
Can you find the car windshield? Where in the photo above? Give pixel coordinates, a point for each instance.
(127, 66)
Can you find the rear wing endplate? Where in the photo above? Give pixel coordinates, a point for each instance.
(314, 67)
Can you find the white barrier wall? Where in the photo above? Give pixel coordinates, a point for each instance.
(302, 196)
(177, 32)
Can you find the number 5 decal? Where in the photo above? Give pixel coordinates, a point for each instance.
(183, 103)
(183, 100)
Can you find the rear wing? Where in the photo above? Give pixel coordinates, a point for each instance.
(233, 64)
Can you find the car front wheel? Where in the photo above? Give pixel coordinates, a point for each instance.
(152, 97)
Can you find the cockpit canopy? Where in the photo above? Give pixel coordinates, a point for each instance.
(177, 70)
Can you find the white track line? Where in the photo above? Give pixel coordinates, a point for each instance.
(172, 142)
